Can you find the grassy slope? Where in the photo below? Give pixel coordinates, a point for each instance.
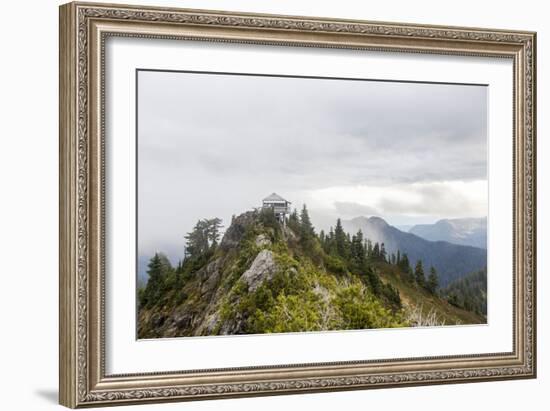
(411, 295)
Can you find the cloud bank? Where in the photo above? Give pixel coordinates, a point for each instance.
(215, 145)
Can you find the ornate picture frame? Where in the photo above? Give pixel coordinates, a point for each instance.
(84, 29)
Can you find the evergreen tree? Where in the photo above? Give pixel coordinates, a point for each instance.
(374, 281)
(307, 232)
(322, 238)
(340, 239)
(204, 237)
(419, 274)
(410, 275)
(213, 227)
(398, 258)
(158, 270)
(433, 281)
(404, 263)
(376, 251)
(382, 252)
(357, 249)
(369, 248)
(197, 240)
(306, 228)
(330, 241)
(294, 221)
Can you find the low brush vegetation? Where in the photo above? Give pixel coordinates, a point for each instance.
(265, 277)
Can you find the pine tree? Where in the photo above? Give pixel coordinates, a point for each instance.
(357, 249)
(330, 242)
(157, 270)
(204, 237)
(213, 227)
(404, 263)
(369, 248)
(419, 274)
(294, 221)
(433, 281)
(374, 281)
(307, 232)
(306, 228)
(322, 238)
(382, 252)
(376, 251)
(197, 240)
(340, 239)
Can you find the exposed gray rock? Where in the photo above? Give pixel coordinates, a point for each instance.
(262, 268)
(157, 320)
(236, 326)
(237, 229)
(210, 276)
(262, 241)
(208, 325)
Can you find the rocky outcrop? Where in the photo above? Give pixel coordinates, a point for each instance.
(209, 276)
(262, 241)
(262, 269)
(237, 229)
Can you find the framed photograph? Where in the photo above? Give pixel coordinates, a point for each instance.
(260, 204)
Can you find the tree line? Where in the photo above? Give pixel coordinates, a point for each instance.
(358, 253)
(339, 252)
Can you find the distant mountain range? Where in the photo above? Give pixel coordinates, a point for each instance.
(463, 231)
(452, 261)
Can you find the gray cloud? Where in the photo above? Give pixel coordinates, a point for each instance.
(351, 209)
(215, 145)
(432, 200)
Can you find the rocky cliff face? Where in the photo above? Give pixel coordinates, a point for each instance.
(243, 258)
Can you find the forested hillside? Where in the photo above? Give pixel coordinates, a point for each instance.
(266, 277)
(469, 292)
(452, 261)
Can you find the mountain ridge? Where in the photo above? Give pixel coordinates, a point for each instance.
(462, 231)
(452, 261)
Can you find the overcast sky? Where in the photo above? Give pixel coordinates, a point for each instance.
(215, 145)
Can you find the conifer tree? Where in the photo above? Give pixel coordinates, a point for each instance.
(306, 228)
(294, 221)
(330, 243)
(340, 239)
(404, 263)
(376, 251)
(382, 252)
(419, 274)
(357, 249)
(307, 232)
(369, 248)
(433, 281)
(204, 237)
(157, 270)
(213, 227)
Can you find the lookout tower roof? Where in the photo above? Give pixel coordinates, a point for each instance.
(275, 198)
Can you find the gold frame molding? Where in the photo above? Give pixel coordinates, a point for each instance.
(83, 30)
